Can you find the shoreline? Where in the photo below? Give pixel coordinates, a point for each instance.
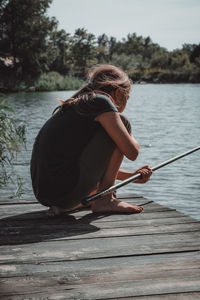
(34, 90)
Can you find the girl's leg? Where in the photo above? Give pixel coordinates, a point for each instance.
(99, 165)
(108, 203)
(92, 165)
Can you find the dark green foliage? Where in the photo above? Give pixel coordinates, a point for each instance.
(59, 51)
(83, 51)
(24, 35)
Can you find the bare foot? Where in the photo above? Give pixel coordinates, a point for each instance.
(114, 205)
(56, 211)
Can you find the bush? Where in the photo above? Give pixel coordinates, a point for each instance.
(126, 62)
(53, 81)
(135, 75)
(195, 75)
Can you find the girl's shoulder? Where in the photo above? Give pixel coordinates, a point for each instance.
(95, 106)
(102, 97)
(102, 103)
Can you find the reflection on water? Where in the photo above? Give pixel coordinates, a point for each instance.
(165, 121)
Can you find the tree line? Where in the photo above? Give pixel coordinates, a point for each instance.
(31, 44)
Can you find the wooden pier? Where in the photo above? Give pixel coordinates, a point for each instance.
(152, 255)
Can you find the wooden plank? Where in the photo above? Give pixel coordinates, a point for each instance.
(29, 234)
(128, 274)
(145, 222)
(105, 266)
(70, 223)
(89, 221)
(38, 252)
(35, 205)
(31, 209)
(54, 288)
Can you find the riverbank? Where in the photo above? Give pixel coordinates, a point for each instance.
(54, 81)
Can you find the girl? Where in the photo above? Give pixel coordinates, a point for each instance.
(79, 150)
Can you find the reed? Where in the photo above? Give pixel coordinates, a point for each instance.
(12, 134)
(53, 81)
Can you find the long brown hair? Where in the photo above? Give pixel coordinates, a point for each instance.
(101, 79)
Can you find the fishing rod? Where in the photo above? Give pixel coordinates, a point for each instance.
(137, 176)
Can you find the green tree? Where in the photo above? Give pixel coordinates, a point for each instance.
(195, 54)
(59, 50)
(178, 59)
(193, 51)
(126, 62)
(25, 30)
(102, 48)
(113, 47)
(137, 45)
(160, 60)
(83, 51)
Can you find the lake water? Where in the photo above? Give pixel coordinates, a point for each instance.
(165, 120)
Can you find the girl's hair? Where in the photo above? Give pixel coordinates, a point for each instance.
(101, 79)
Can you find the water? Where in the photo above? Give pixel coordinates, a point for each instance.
(165, 121)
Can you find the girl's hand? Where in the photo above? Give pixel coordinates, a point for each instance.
(146, 172)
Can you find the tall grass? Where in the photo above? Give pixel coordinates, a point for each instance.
(12, 134)
(53, 81)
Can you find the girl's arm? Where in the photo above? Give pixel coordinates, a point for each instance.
(145, 171)
(128, 145)
(123, 175)
(114, 126)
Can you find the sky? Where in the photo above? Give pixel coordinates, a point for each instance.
(170, 23)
